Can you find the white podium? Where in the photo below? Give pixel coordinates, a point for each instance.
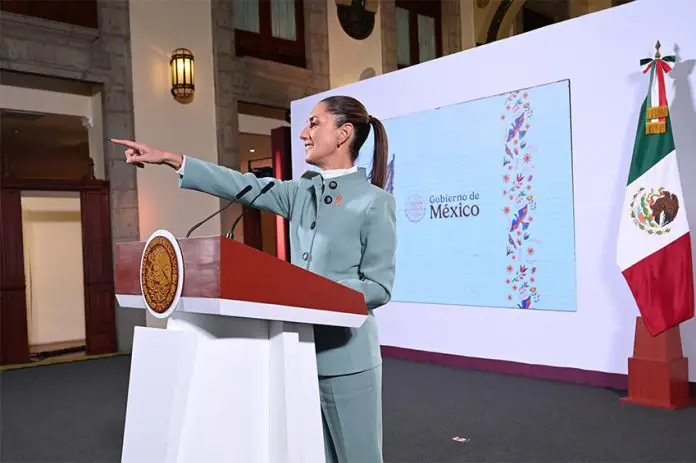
(233, 376)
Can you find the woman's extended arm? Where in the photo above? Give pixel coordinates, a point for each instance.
(226, 183)
(219, 181)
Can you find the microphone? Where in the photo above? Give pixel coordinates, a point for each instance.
(270, 185)
(244, 191)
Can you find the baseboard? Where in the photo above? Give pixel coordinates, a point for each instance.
(572, 375)
(60, 360)
(45, 354)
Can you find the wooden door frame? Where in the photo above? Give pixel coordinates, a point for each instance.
(100, 321)
(281, 147)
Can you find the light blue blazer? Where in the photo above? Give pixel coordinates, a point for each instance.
(342, 228)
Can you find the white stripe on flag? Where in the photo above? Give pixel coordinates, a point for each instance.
(635, 244)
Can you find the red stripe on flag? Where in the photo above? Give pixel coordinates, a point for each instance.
(662, 91)
(663, 286)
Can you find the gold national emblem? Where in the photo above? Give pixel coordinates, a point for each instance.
(160, 274)
(653, 210)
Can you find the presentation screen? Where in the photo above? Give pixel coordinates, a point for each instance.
(484, 194)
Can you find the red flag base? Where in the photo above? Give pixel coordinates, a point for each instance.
(658, 373)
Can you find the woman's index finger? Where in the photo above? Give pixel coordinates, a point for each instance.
(128, 143)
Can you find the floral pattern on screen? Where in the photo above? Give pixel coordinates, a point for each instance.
(520, 205)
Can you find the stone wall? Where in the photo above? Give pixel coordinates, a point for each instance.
(100, 57)
(226, 116)
(388, 20)
(451, 27)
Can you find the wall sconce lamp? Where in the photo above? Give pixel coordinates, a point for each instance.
(182, 75)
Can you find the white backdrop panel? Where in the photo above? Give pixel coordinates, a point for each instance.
(599, 54)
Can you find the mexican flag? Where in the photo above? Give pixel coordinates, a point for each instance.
(654, 246)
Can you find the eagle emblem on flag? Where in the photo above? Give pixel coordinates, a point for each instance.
(653, 210)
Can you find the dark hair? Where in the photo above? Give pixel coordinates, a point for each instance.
(347, 109)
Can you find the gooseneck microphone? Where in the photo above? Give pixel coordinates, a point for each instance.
(264, 190)
(244, 191)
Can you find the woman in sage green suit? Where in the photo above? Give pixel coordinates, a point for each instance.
(343, 227)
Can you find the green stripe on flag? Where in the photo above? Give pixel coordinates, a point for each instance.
(649, 149)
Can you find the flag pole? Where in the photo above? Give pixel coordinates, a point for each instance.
(658, 372)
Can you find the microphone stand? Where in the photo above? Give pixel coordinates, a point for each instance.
(265, 189)
(244, 191)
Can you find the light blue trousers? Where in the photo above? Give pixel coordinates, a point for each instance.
(351, 407)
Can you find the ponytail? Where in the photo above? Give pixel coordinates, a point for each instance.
(381, 154)
(348, 110)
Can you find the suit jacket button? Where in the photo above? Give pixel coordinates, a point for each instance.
(333, 184)
(328, 199)
(305, 256)
(314, 224)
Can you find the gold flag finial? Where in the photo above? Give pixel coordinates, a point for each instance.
(656, 115)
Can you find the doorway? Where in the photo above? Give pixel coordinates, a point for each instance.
(56, 271)
(54, 275)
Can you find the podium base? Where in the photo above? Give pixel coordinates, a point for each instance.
(214, 388)
(658, 374)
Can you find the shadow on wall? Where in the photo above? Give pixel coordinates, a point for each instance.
(367, 73)
(683, 117)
